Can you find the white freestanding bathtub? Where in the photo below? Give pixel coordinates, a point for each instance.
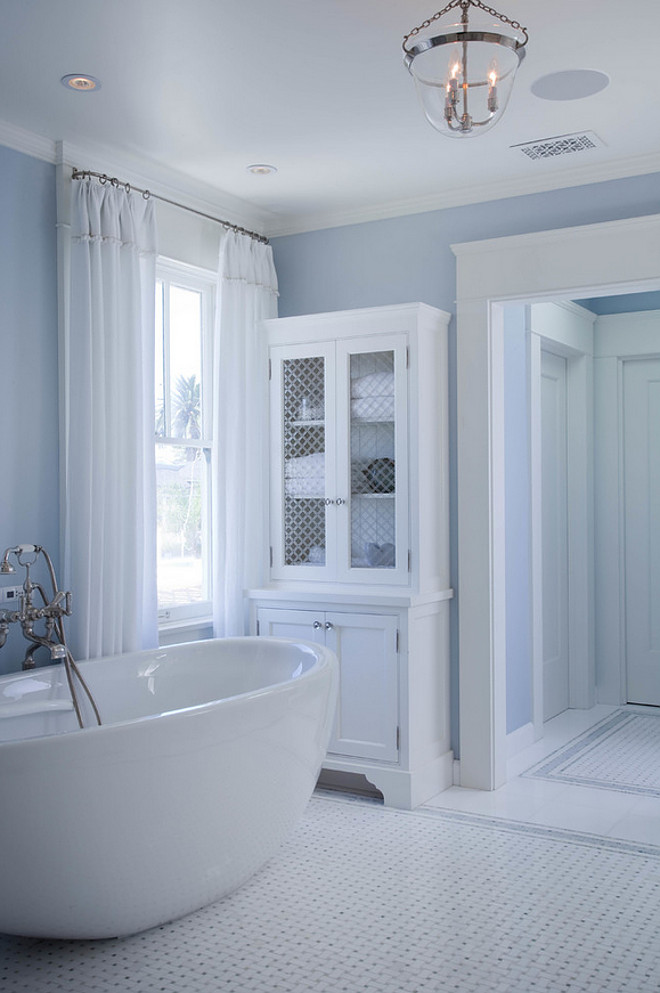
(206, 759)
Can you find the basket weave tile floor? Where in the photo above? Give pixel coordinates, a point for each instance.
(364, 899)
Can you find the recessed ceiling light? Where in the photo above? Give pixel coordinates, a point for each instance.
(261, 169)
(80, 82)
(572, 84)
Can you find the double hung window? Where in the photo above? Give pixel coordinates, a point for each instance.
(183, 439)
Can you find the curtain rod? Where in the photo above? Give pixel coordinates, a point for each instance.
(147, 194)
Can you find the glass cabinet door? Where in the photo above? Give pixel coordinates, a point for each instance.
(338, 454)
(374, 398)
(373, 465)
(304, 443)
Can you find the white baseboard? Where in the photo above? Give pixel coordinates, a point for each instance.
(519, 739)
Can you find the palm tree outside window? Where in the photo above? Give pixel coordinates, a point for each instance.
(184, 310)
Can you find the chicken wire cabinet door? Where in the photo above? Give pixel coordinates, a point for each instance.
(372, 461)
(339, 471)
(302, 419)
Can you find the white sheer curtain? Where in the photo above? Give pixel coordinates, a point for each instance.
(247, 294)
(109, 528)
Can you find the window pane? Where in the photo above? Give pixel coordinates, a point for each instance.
(160, 363)
(185, 363)
(181, 481)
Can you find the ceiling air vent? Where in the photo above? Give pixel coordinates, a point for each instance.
(563, 144)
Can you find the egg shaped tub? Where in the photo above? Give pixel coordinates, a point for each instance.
(206, 758)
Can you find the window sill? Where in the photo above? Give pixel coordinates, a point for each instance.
(188, 629)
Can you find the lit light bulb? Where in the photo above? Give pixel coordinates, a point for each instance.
(452, 89)
(492, 88)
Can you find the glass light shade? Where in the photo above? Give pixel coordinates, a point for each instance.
(464, 77)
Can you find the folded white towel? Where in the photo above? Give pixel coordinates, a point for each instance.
(378, 408)
(305, 466)
(311, 488)
(376, 384)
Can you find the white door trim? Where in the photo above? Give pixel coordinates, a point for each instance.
(571, 263)
(619, 338)
(566, 330)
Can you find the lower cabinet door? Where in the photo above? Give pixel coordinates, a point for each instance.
(366, 724)
(275, 622)
(367, 719)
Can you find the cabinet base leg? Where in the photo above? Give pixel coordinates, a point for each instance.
(399, 788)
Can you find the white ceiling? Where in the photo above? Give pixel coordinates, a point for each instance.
(199, 89)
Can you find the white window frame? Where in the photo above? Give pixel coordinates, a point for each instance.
(171, 272)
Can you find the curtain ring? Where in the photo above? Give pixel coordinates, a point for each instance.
(146, 194)
(103, 179)
(127, 187)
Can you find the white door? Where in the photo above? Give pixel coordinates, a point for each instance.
(554, 499)
(641, 461)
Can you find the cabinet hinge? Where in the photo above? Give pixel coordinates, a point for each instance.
(258, 631)
(398, 641)
(270, 369)
(398, 738)
(407, 356)
(271, 556)
(409, 561)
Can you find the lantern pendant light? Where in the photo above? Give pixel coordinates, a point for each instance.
(464, 76)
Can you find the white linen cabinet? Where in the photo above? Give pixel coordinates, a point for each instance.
(357, 511)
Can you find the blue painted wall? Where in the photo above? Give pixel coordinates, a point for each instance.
(29, 504)
(627, 303)
(405, 259)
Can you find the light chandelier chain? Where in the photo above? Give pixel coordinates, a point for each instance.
(516, 25)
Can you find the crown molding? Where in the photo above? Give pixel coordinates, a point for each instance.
(138, 172)
(27, 142)
(208, 199)
(165, 182)
(463, 196)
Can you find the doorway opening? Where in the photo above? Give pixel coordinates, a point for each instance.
(577, 263)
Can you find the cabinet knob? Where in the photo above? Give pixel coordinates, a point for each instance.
(317, 625)
(328, 502)
(328, 625)
(340, 501)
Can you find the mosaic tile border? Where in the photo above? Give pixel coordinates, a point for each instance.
(551, 766)
(502, 824)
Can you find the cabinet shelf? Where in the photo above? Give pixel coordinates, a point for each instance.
(356, 421)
